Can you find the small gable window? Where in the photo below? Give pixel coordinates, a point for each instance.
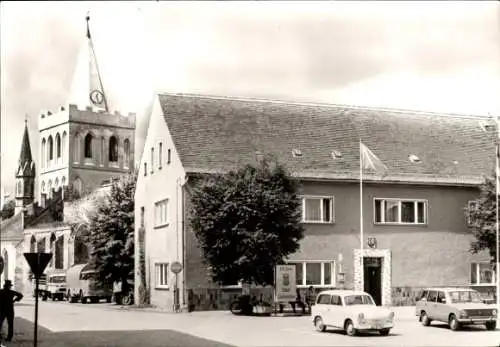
(296, 153)
(336, 154)
(414, 158)
(145, 169)
(160, 155)
(168, 156)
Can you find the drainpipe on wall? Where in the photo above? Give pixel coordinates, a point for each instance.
(183, 214)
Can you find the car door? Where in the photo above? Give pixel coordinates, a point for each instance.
(336, 311)
(421, 303)
(322, 307)
(441, 308)
(431, 305)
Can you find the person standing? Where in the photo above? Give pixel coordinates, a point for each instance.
(7, 299)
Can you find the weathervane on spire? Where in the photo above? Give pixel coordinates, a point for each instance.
(87, 18)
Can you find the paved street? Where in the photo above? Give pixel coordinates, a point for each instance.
(109, 325)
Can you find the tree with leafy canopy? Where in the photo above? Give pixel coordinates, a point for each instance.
(247, 221)
(482, 219)
(111, 232)
(8, 209)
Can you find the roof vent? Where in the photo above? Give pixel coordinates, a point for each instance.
(296, 153)
(49, 113)
(414, 159)
(455, 162)
(336, 154)
(485, 126)
(61, 108)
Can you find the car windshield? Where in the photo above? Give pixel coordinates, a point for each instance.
(57, 279)
(465, 296)
(358, 300)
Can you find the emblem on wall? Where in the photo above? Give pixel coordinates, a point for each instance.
(372, 242)
(96, 97)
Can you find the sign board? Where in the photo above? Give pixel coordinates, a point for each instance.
(176, 267)
(38, 262)
(2, 264)
(285, 283)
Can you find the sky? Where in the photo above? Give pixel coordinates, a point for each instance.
(432, 56)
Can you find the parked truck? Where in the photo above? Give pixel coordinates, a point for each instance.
(51, 285)
(84, 285)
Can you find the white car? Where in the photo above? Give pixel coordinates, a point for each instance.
(352, 311)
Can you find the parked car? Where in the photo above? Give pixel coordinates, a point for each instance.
(455, 306)
(84, 286)
(352, 311)
(54, 286)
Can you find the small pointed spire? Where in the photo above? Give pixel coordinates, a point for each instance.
(88, 28)
(25, 155)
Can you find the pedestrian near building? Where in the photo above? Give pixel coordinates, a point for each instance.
(7, 299)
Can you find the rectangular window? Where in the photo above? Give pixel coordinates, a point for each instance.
(145, 169)
(160, 154)
(161, 275)
(168, 156)
(317, 210)
(482, 274)
(161, 213)
(314, 273)
(400, 211)
(152, 159)
(472, 205)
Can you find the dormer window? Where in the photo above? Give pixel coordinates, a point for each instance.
(414, 159)
(336, 154)
(296, 153)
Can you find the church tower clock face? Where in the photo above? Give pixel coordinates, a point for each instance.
(96, 97)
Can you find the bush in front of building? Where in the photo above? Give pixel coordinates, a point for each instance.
(246, 221)
(481, 217)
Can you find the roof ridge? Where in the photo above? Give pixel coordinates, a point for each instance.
(326, 104)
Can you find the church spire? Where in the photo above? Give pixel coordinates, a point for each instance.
(25, 156)
(87, 87)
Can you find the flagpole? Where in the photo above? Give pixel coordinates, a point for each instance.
(361, 235)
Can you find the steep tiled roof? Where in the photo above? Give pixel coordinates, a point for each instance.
(217, 133)
(12, 229)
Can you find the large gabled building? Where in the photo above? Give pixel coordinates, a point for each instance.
(415, 231)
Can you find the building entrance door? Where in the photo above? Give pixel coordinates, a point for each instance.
(372, 267)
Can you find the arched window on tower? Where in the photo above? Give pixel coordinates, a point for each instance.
(126, 148)
(40, 245)
(76, 148)
(63, 146)
(58, 147)
(51, 148)
(42, 189)
(20, 188)
(49, 189)
(88, 146)
(59, 253)
(102, 150)
(81, 251)
(44, 153)
(113, 149)
(52, 247)
(33, 244)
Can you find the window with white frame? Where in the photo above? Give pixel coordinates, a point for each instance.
(161, 275)
(161, 213)
(314, 273)
(472, 205)
(482, 273)
(400, 211)
(317, 209)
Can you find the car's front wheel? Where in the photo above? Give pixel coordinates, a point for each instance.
(349, 328)
(424, 318)
(384, 332)
(491, 325)
(319, 325)
(453, 323)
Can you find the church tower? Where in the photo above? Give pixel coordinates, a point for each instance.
(84, 144)
(25, 175)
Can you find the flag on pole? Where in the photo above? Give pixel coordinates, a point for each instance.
(96, 90)
(370, 161)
